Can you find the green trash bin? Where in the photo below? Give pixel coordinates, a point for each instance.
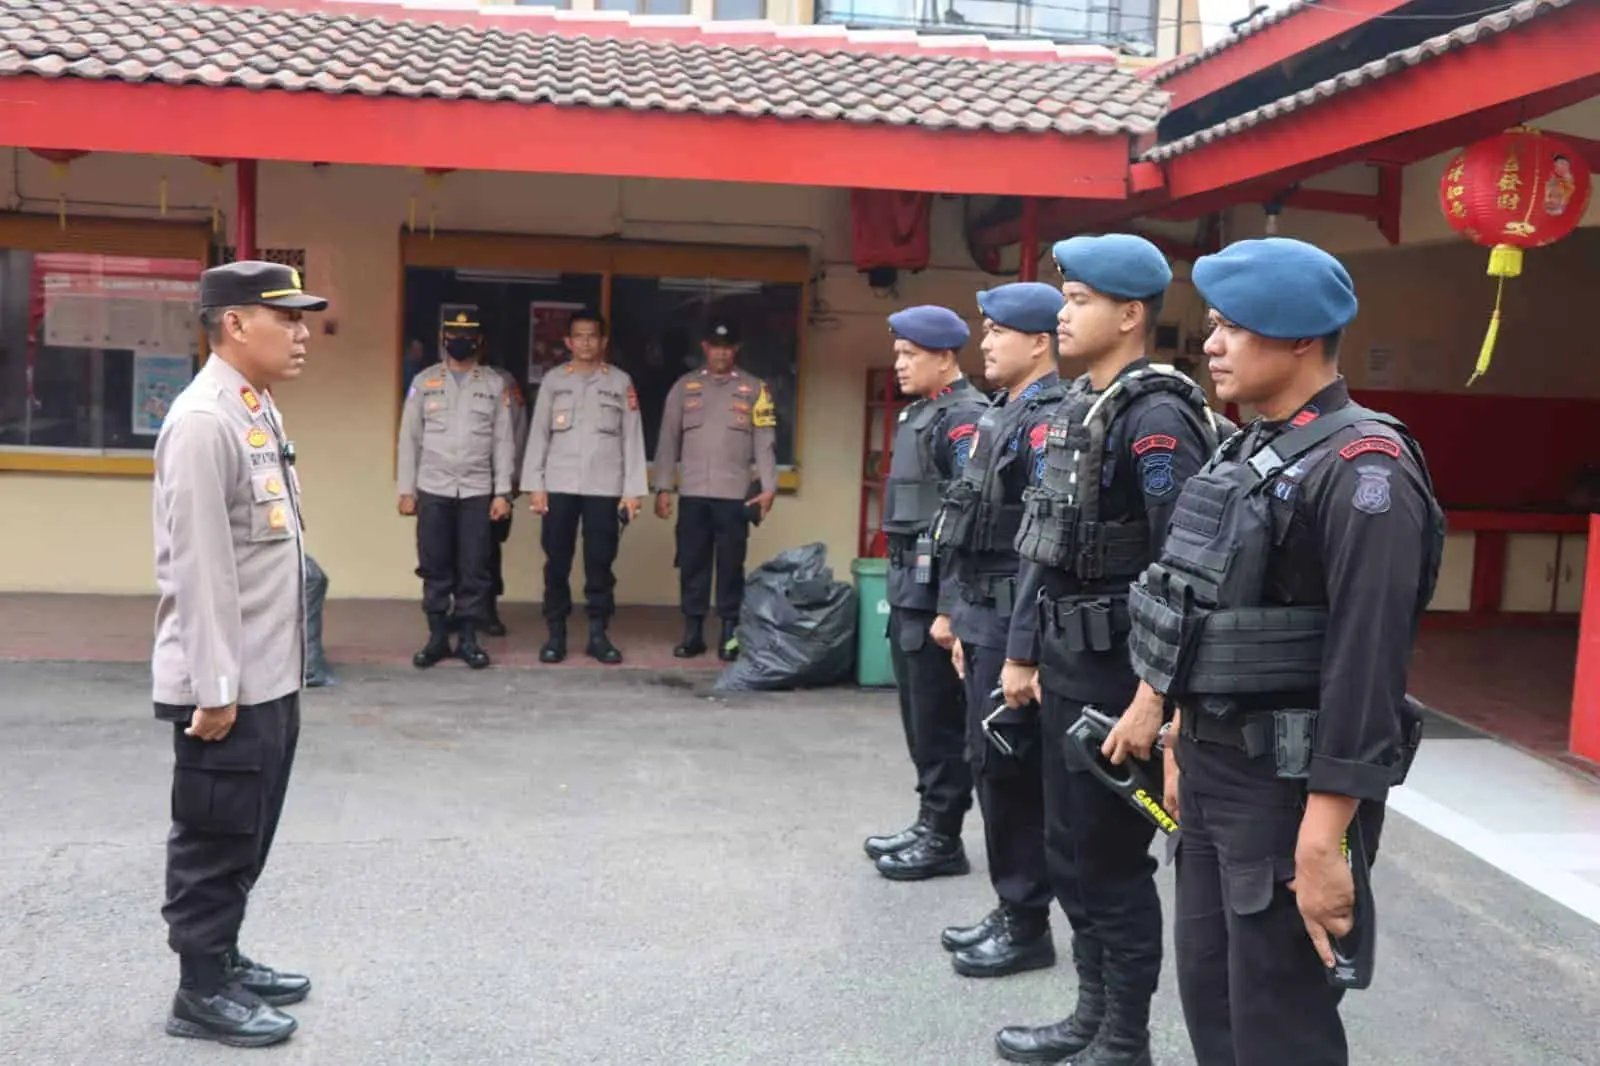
(873, 668)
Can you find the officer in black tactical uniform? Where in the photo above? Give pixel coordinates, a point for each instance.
(1116, 455)
(978, 526)
(930, 449)
(1280, 620)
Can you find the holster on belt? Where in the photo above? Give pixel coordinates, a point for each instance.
(1286, 735)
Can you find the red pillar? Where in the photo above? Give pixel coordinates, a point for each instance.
(1028, 245)
(245, 244)
(1586, 681)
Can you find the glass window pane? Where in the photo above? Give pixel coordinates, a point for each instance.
(524, 316)
(93, 348)
(656, 331)
(740, 9)
(630, 6)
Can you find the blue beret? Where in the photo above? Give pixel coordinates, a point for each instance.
(1120, 265)
(1025, 306)
(1277, 287)
(931, 327)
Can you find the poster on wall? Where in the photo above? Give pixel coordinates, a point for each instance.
(547, 335)
(118, 304)
(157, 380)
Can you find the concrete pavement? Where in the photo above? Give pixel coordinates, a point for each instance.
(572, 867)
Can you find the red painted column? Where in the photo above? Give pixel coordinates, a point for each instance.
(1585, 740)
(245, 243)
(1028, 245)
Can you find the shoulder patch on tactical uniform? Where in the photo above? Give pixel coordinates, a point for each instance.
(1372, 490)
(963, 431)
(1382, 445)
(1155, 442)
(1155, 473)
(1037, 434)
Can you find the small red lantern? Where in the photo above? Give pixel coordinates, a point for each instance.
(1520, 189)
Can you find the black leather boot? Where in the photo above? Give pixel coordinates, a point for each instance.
(600, 646)
(1021, 942)
(492, 624)
(467, 648)
(878, 846)
(728, 648)
(1124, 1035)
(694, 640)
(438, 646)
(273, 986)
(211, 1005)
(555, 648)
(933, 855)
(956, 937)
(1070, 1036)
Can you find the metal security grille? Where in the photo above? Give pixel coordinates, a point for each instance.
(289, 257)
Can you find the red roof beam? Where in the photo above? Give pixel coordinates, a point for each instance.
(1552, 54)
(1271, 45)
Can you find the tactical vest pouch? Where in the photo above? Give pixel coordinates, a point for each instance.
(1293, 732)
(958, 520)
(913, 504)
(1254, 650)
(1049, 524)
(1081, 624)
(1113, 550)
(998, 527)
(1220, 534)
(1160, 642)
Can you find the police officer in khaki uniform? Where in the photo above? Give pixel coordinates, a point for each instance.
(585, 463)
(502, 526)
(230, 650)
(455, 462)
(719, 421)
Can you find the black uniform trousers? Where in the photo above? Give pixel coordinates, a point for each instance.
(1254, 991)
(454, 546)
(602, 532)
(501, 532)
(710, 531)
(1097, 848)
(933, 715)
(1010, 790)
(226, 799)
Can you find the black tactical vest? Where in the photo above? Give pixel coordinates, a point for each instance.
(976, 518)
(1201, 623)
(1062, 526)
(916, 487)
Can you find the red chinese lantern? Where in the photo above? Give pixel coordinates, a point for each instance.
(1520, 189)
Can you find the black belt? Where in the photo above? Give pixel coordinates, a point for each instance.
(1252, 734)
(991, 590)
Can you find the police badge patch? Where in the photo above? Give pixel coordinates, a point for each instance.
(1155, 471)
(1372, 490)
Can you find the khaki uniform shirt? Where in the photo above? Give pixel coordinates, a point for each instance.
(456, 440)
(519, 424)
(230, 565)
(585, 437)
(718, 427)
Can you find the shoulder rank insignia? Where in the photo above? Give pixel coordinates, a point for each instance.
(433, 383)
(693, 386)
(252, 402)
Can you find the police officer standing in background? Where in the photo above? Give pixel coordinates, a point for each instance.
(501, 527)
(230, 650)
(585, 463)
(978, 525)
(720, 420)
(1316, 527)
(930, 450)
(455, 461)
(1116, 454)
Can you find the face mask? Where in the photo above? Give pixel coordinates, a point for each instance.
(459, 347)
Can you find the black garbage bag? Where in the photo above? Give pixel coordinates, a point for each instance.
(316, 656)
(797, 628)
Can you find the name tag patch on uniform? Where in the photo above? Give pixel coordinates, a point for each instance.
(278, 517)
(257, 437)
(1056, 436)
(1372, 490)
(1382, 445)
(1155, 442)
(252, 402)
(1155, 473)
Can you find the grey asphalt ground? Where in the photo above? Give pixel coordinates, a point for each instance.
(574, 867)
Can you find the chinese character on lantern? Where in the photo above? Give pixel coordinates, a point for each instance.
(1520, 189)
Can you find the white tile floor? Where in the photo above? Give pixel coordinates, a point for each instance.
(1527, 817)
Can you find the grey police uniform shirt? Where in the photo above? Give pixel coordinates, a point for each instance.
(718, 427)
(519, 423)
(585, 437)
(456, 439)
(230, 562)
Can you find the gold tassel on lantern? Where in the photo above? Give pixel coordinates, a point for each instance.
(163, 194)
(1505, 261)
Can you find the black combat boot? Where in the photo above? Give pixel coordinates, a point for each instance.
(956, 937)
(1021, 942)
(492, 624)
(935, 854)
(209, 1005)
(694, 641)
(600, 646)
(728, 649)
(1066, 1038)
(438, 646)
(273, 986)
(555, 648)
(467, 646)
(879, 846)
(1124, 1035)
